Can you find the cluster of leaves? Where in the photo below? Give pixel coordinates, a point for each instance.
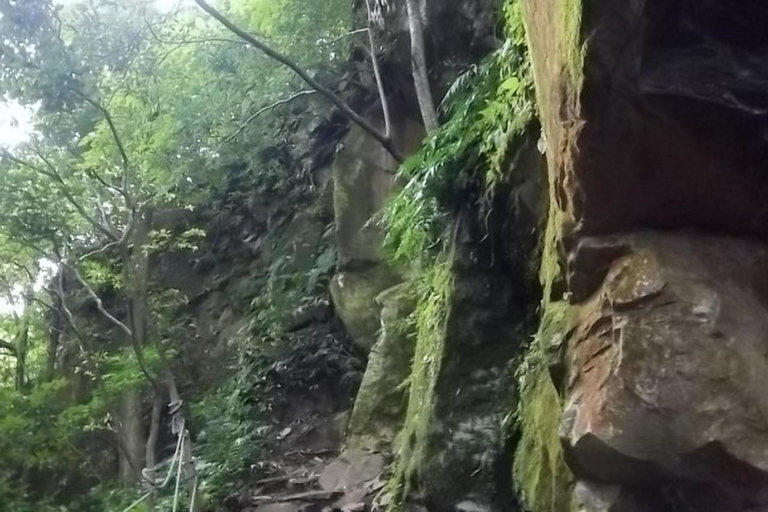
(470, 156)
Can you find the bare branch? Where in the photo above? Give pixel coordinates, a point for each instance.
(95, 175)
(419, 61)
(377, 74)
(112, 319)
(348, 34)
(4, 345)
(102, 249)
(97, 300)
(191, 41)
(324, 91)
(261, 111)
(24, 268)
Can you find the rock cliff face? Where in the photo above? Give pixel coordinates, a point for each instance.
(644, 387)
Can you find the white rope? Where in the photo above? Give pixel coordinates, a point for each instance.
(178, 477)
(176, 456)
(194, 495)
(132, 505)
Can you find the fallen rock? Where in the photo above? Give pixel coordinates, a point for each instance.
(352, 469)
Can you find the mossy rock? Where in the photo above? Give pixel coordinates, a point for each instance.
(380, 405)
(354, 298)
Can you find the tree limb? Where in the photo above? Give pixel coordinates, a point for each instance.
(261, 111)
(377, 74)
(9, 347)
(97, 300)
(320, 88)
(420, 76)
(190, 41)
(112, 319)
(54, 175)
(118, 141)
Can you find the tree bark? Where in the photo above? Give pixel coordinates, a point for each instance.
(151, 449)
(22, 342)
(54, 337)
(419, 62)
(132, 433)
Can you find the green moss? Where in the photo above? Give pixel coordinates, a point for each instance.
(572, 46)
(430, 322)
(542, 478)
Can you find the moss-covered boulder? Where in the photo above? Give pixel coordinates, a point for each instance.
(380, 404)
(354, 298)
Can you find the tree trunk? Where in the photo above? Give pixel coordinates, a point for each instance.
(151, 450)
(22, 342)
(132, 432)
(419, 62)
(54, 338)
(135, 263)
(187, 463)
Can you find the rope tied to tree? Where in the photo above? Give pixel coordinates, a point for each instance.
(150, 474)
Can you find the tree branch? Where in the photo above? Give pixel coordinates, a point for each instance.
(320, 88)
(419, 62)
(190, 41)
(54, 175)
(9, 347)
(377, 74)
(261, 111)
(99, 303)
(112, 319)
(118, 141)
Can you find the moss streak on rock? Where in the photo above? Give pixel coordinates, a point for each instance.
(430, 318)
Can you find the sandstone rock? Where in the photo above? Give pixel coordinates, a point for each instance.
(667, 372)
(363, 178)
(380, 403)
(354, 298)
(352, 469)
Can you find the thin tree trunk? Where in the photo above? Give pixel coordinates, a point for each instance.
(22, 342)
(54, 338)
(132, 431)
(151, 450)
(187, 463)
(377, 73)
(419, 62)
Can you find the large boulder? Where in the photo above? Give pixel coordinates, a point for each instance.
(380, 404)
(667, 365)
(653, 117)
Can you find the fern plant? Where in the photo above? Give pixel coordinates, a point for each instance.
(487, 109)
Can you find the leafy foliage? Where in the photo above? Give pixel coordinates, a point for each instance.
(134, 111)
(471, 155)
